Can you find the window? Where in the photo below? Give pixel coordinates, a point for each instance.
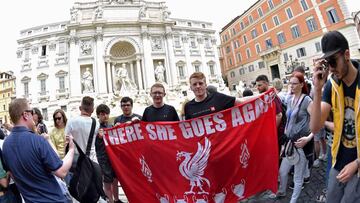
(27, 52)
(304, 5)
(212, 70)
(248, 53)
(197, 68)
(225, 38)
(242, 71)
(45, 29)
(258, 49)
(301, 52)
(62, 82)
(192, 42)
(42, 86)
(177, 41)
(332, 16)
(233, 31)
(43, 50)
(245, 39)
(311, 24)
(238, 56)
(228, 49)
(189, 24)
(236, 44)
(181, 71)
(64, 108)
(230, 62)
(276, 20)
(271, 4)
(203, 25)
(295, 32)
(268, 43)
(4, 107)
(318, 46)
(261, 64)
(242, 25)
(45, 113)
(253, 33)
(260, 12)
(62, 47)
(264, 27)
(251, 68)
(26, 89)
(232, 74)
(289, 13)
(207, 42)
(251, 20)
(281, 38)
(286, 57)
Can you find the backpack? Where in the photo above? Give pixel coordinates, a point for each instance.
(86, 183)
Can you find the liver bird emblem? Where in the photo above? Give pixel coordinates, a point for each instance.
(192, 168)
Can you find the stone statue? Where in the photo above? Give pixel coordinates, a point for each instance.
(74, 14)
(166, 14)
(85, 48)
(142, 11)
(98, 12)
(126, 85)
(159, 72)
(156, 44)
(87, 81)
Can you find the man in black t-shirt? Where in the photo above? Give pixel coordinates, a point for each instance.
(205, 103)
(342, 96)
(126, 105)
(159, 111)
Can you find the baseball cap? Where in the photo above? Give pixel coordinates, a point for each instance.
(333, 42)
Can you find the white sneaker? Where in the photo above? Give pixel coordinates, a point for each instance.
(316, 163)
(322, 157)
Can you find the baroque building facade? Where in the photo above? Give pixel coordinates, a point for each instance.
(112, 48)
(273, 36)
(7, 92)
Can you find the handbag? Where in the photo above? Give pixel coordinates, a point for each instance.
(292, 154)
(297, 131)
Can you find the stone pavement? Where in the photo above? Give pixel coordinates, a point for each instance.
(308, 194)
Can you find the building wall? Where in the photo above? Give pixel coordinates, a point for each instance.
(274, 55)
(99, 37)
(7, 92)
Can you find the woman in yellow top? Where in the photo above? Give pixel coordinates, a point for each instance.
(57, 134)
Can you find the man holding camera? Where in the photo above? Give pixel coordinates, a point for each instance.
(342, 96)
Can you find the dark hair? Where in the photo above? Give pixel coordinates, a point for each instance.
(126, 99)
(38, 113)
(62, 114)
(300, 69)
(247, 92)
(262, 78)
(157, 85)
(87, 104)
(17, 108)
(301, 79)
(102, 108)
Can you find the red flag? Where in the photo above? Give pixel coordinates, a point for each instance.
(223, 157)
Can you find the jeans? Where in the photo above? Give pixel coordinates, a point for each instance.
(299, 170)
(338, 192)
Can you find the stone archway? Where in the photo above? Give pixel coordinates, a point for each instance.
(122, 50)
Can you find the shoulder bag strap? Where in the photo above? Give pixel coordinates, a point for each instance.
(91, 136)
(297, 113)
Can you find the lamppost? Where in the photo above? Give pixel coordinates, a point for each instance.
(291, 65)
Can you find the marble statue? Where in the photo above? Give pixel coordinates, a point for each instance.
(86, 48)
(159, 72)
(87, 81)
(98, 12)
(125, 84)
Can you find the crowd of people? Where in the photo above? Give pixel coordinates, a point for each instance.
(315, 122)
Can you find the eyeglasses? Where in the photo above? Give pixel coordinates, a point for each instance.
(30, 111)
(58, 118)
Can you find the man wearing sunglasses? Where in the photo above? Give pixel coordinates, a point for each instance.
(126, 105)
(342, 96)
(31, 160)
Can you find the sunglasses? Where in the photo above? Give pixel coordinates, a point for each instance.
(331, 61)
(58, 118)
(30, 111)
